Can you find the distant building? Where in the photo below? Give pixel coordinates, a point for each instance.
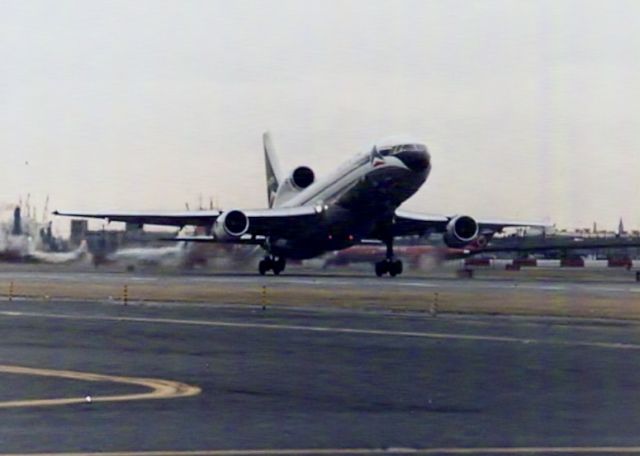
(621, 228)
(79, 229)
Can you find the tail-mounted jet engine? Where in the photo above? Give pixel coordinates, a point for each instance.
(302, 177)
(299, 179)
(461, 230)
(231, 225)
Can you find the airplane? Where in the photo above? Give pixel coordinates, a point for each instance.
(306, 217)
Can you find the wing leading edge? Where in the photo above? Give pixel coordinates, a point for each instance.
(262, 222)
(179, 219)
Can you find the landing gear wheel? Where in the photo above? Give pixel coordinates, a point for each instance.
(271, 264)
(381, 268)
(278, 266)
(395, 268)
(263, 267)
(389, 265)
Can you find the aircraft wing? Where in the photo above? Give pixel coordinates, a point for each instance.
(412, 223)
(196, 218)
(585, 244)
(262, 222)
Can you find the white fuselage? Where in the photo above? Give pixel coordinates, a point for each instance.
(357, 199)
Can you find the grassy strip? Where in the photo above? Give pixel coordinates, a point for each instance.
(487, 301)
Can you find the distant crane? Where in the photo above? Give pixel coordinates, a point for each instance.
(45, 212)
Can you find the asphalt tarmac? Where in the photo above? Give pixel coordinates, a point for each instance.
(211, 379)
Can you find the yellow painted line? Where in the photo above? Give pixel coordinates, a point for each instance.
(360, 451)
(328, 329)
(160, 389)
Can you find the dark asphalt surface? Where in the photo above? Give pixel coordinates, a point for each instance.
(286, 378)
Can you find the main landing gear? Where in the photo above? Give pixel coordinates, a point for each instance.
(393, 267)
(271, 263)
(389, 265)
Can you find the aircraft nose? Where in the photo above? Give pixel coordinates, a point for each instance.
(415, 160)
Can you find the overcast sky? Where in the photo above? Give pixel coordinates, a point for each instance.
(531, 109)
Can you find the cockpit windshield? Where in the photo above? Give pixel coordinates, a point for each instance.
(393, 150)
(416, 147)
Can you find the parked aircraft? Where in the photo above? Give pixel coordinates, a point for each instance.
(307, 217)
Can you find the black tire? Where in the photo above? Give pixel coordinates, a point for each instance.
(395, 268)
(381, 268)
(277, 266)
(263, 267)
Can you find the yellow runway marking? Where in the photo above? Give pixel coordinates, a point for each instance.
(160, 389)
(361, 451)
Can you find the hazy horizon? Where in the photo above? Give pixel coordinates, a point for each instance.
(529, 109)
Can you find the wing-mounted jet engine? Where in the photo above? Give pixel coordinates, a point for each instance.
(230, 226)
(461, 230)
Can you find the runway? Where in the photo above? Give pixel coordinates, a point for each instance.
(313, 381)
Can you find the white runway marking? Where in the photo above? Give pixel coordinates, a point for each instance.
(325, 329)
(419, 284)
(311, 282)
(607, 289)
(144, 279)
(552, 287)
(360, 451)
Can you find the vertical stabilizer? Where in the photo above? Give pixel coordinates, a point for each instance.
(272, 168)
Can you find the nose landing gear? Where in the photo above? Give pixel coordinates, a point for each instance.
(271, 263)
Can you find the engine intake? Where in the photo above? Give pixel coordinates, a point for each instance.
(230, 225)
(461, 230)
(302, 177)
